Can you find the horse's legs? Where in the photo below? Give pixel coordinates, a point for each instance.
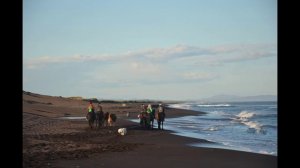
(90, 123)
(96, 121)
(158, 123)
(145, 123)
(152, 124)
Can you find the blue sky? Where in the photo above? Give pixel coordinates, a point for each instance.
(175, 50)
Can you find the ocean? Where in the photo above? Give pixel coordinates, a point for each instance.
(243, 126)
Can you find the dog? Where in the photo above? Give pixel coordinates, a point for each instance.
(122, 131)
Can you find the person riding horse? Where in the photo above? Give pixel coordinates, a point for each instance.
(99, 116)
(90, 116)
(151, 115)
(160, 116)
(144, 117)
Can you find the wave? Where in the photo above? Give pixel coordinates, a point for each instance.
(218, 119)
(245, 115)
(180, 106)
(267, 153)
(270, 126)
(267, 115)
(255, 127)
(212, 128)
(214, 105)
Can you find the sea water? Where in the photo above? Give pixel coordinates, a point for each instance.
(243, 126)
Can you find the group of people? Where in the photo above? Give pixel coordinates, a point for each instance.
(99, 117)
(147, 116)
(91, 109)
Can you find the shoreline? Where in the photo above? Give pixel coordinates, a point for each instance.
(49, 142)
(217, 144)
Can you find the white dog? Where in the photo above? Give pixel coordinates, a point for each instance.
(122, 131)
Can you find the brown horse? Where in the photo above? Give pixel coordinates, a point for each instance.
(112, 118)
(160, 117)
(106, 115)
(144, 119)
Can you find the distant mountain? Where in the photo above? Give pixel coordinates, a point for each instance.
(234, 98)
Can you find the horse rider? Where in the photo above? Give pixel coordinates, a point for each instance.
(161, 108)
(90, 108)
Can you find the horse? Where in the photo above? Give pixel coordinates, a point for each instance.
(151, 118)
(106, 115)
(160, 117)
(91, 119)
(144, 119)
(99, 119)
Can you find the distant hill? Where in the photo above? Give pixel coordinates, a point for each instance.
(234, 98)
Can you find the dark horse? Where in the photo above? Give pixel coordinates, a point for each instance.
(99, 119)
(91, 118)
(144, 119)
(160, 117)
(151, 118)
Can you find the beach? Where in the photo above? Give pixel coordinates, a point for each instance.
(52, 141)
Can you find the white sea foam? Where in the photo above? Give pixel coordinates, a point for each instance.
(73, 118)
(252, 124)
(187, 126)
(212, 129)
(245, 115)
(255, 127)
(180, 106)
(218, 113)
(266, 152)
(214, 105)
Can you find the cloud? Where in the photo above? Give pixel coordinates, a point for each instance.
(199, 76)
(208, 56)
(145, 68)
(174, 52)
(240, 53)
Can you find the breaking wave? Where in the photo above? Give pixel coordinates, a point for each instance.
(213, 105)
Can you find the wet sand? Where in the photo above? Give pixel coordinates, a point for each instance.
(52, 142)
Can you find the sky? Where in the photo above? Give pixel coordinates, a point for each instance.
(158, 49)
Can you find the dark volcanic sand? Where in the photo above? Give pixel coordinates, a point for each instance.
(52, 142)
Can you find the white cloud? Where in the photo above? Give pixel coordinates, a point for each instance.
(145, 68)
(237, 54)
(198, 76)
(207, 56)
